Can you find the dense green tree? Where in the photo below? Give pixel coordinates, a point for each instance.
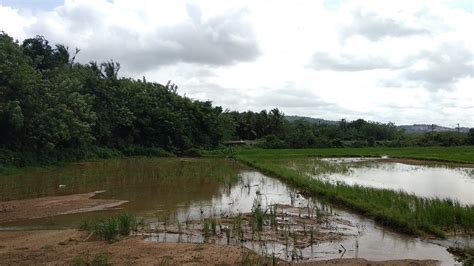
(470, 137)
(52, 108)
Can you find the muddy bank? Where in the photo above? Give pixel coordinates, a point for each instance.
(62, 247)
(51, 206)
(66, 246)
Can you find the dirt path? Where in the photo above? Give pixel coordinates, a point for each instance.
(51, 206)
(59, 247)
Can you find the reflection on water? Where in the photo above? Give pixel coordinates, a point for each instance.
(431, 180)
(178, 190)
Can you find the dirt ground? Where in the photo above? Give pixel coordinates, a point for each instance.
(60, 247)
(51, 206)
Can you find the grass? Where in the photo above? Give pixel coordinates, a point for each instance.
(462, 154)
(117, 174)
(100, 259)
(402, 211)
(112, 228)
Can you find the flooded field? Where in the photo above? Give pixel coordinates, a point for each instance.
(425, 180)
(221, 201)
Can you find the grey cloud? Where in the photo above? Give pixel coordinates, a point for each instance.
(325, 61)
(375, 27)
(444, 66)
(290, 97)
(222, 40)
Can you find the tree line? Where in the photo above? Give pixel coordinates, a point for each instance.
(53, 108)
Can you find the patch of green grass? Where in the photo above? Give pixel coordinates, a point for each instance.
(462, 154)
(405, 212)
(127, 223)
(111, 228)
(108, 229)
(100, 259)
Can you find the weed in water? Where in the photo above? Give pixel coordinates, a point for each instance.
(108, 229)
(206, 227)
(127, 223)
(111, 228)
(213, 226)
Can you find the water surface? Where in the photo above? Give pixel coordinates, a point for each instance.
(430, 180)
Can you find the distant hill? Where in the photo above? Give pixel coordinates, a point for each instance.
(415, 128)
(321, 121)
(422, 128)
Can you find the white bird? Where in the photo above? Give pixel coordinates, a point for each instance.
(62, 186)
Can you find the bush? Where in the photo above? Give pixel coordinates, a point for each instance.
(146, 151)
(192, 153)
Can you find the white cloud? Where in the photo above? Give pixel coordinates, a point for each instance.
(400, 61)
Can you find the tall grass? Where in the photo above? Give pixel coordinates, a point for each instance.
(405, 212)
(111, 228)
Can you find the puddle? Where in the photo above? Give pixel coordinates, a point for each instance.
(182, 200)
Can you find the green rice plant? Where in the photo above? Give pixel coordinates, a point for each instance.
(206, 227)
(213, 226)
(272, 216)
(108, 229)
(127, 223)
(237, 228)
(87, 225)
(258, 215)
(111, 228)
(402, 211)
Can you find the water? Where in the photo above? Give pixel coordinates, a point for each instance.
(180, 190)
(433, 180)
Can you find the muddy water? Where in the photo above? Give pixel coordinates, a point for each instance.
(180, 198)
(434, 180)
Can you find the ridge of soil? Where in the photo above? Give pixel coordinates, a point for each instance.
(55, 205)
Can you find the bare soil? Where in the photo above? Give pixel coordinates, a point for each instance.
(52, 206)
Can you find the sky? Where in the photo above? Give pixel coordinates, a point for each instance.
(406, 62)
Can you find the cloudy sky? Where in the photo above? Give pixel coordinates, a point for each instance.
(400, 61)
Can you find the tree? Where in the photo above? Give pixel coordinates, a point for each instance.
(470, 136)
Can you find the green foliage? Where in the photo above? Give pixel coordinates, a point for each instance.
(111, 228)
(108, 229)
(100, 259)
(53, 109)
(470, 137)
(127, 223)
